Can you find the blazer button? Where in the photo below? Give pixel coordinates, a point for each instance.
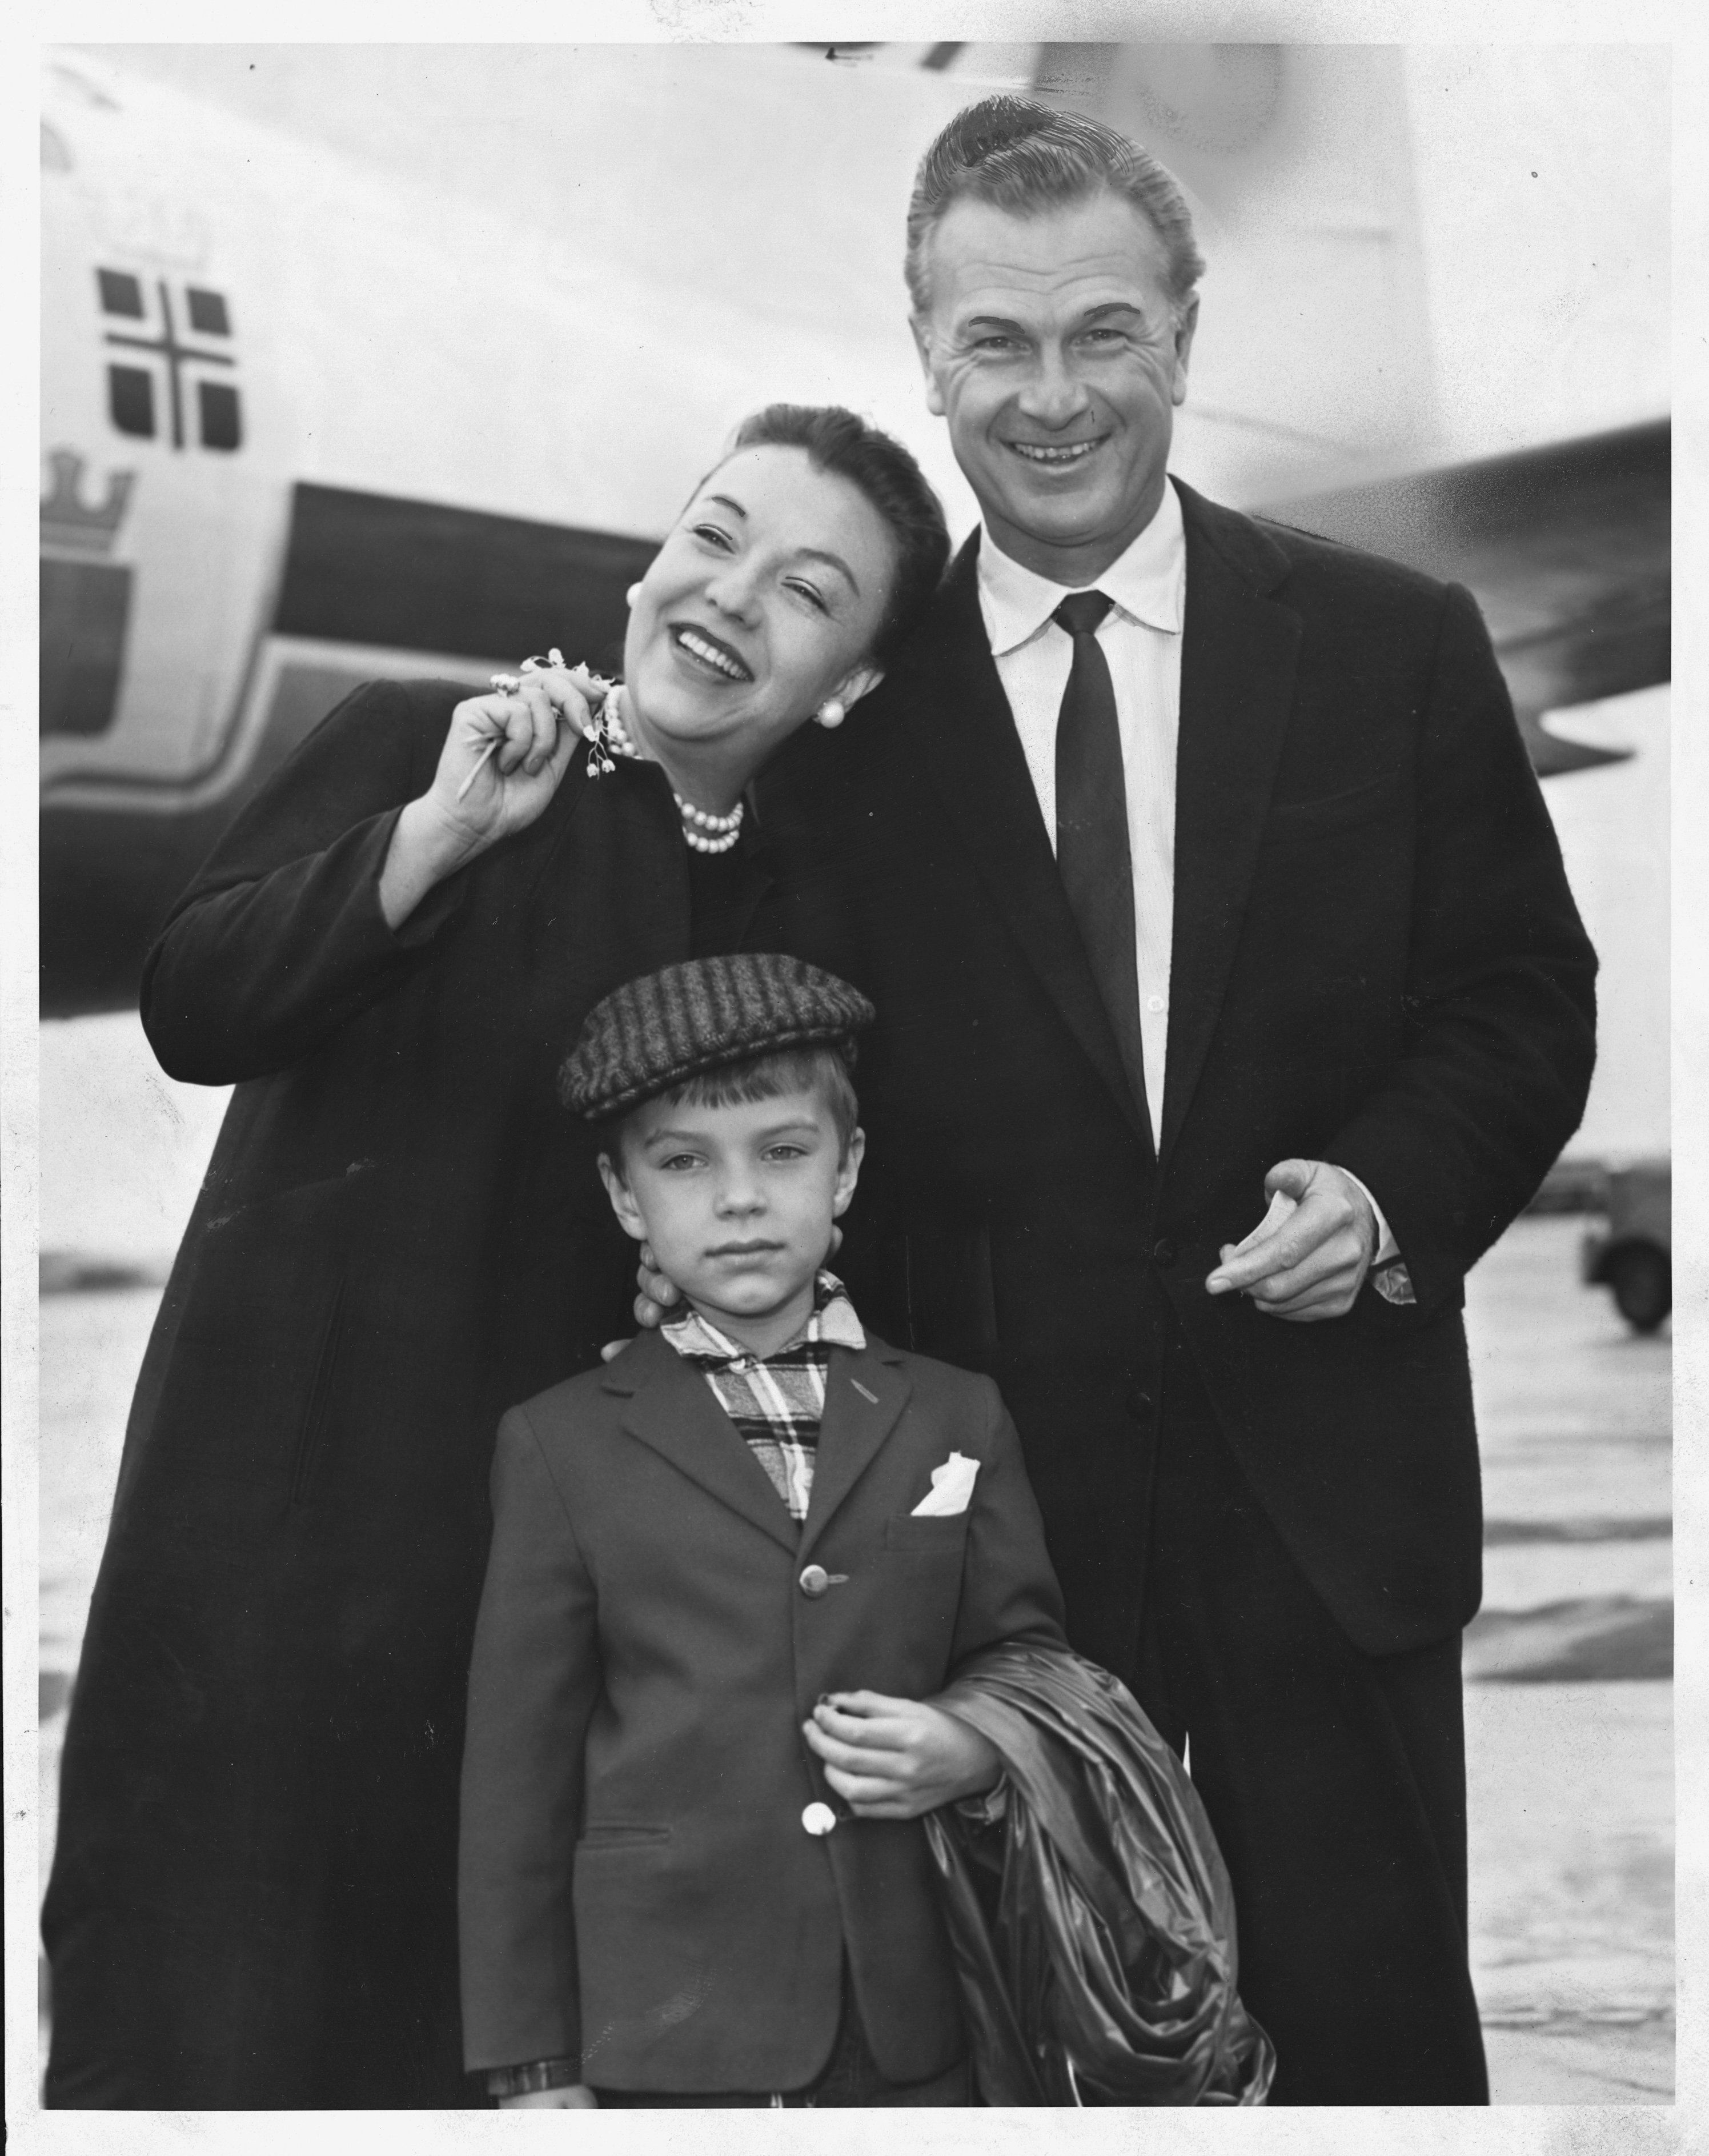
(1165, 1253)
(819, 1819)
(813, 1583)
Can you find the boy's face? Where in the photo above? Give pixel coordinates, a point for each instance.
(737, 1201)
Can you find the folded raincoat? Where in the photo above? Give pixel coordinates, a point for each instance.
(1096, 1953)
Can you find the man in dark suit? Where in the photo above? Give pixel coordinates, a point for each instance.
(1192, 861)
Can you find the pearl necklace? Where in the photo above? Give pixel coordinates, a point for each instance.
(705, 833)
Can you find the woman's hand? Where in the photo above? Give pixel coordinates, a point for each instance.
(580, 2097)
(895, 1758)
(493, 791)
(658, 1297)
(502, 761)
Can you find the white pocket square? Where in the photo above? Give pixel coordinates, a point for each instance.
(951, 1489)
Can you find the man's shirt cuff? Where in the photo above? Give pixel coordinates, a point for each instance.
(1388, 1275)
(1388, 1249)
(533, 2078)
(989, 1807)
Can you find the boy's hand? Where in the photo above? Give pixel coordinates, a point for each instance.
(580, 2097)
(896, 1758)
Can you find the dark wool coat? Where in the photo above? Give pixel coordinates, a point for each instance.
(1376, 961)
(646, 1645)
(400, 1236)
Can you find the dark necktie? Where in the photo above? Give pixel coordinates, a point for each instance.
(1092, 850)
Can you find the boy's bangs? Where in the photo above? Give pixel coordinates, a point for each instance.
(822, 1067)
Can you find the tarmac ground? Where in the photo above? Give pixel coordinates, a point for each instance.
(1569, 1694)
(1570, 1698)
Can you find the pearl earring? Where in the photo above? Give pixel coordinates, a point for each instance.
(831, 713)
(631, 595)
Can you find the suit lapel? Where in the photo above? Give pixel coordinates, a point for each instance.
(671, 1408)
(974, 756)
(1239, 656)
(865, 1392)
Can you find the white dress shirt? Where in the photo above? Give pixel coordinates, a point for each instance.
(1141, 640)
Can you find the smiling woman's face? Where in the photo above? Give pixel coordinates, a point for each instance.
(763, 602)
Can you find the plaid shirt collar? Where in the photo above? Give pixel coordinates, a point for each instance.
(831, 1323)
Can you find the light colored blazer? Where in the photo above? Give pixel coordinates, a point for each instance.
(638, 1889)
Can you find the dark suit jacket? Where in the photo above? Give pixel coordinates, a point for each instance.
(400, 1234)
(1376, 961)
(638, 1889)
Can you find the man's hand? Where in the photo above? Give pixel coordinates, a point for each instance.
(895, 1758)
(578, 2097)
(1314, 1263)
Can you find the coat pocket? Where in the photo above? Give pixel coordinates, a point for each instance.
(312, 1428)
(910, 1534)
(620, 1834)
(250, 1391)
(1295, 822)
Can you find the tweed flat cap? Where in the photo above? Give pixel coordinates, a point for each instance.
(655, 1033)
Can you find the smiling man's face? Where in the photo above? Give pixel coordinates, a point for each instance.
(1051, 347)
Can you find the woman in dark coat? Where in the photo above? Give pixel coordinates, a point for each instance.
(400, 1236)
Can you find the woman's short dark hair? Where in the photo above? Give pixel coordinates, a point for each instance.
(839, 441)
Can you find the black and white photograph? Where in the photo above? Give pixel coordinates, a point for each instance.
(839, 1257)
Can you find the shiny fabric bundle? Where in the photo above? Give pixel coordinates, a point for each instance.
(1099, 1965)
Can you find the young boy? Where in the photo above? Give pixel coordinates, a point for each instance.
(728, 1570)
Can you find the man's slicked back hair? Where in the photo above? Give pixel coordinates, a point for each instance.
(1025, 157)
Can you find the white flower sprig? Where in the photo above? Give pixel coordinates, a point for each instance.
(607, 738)
(593, 686)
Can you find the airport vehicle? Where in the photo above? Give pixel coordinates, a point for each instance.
(1633, 1254)
(343, 394)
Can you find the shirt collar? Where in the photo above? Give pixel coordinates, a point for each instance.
(1147, 583)
(832, 1322)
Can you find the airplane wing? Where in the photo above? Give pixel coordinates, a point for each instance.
(1568, 549)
